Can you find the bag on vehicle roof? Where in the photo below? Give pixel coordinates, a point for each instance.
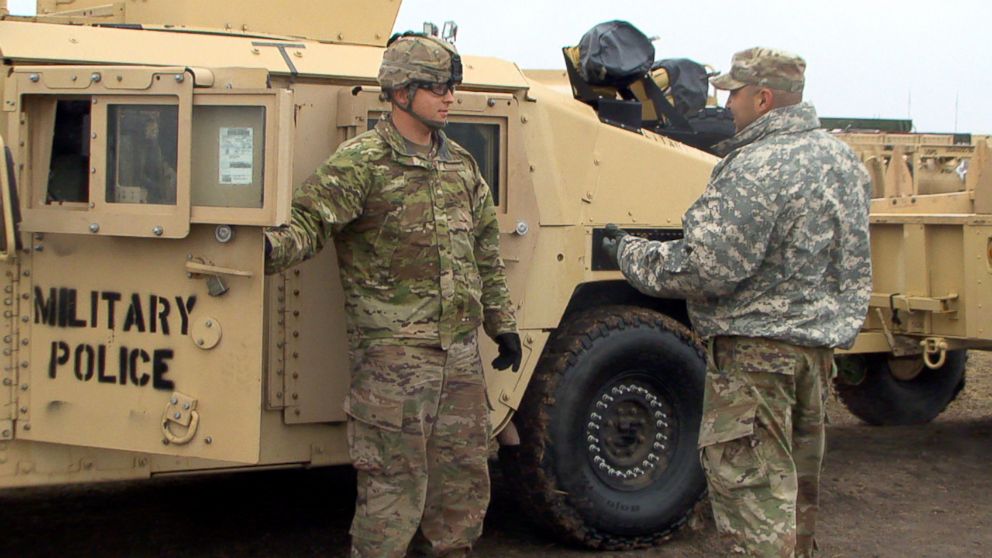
(686, 83)
(614, 53)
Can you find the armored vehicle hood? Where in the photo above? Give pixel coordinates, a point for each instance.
(362, 22)
(44, 43)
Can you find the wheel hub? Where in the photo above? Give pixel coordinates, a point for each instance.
(906, 368)
(629, 432)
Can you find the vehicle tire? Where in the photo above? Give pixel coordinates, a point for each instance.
(882, 399)
(608, 428)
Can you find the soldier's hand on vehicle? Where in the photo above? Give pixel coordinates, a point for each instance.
(612, 235)
(509, 352)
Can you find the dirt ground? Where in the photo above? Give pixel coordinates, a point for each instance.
(921, 491)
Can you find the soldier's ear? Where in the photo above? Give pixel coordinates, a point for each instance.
(765, 100)
(401, 95)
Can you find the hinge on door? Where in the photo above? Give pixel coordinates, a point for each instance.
(291, 395)
(274, 395)
(14, 402)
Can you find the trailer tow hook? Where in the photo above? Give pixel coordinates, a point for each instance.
(934, 346)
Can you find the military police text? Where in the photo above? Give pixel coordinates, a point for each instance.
(68, 308)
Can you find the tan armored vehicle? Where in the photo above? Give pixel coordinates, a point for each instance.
(148, 143)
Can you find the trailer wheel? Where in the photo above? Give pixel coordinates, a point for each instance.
(886, 391)
(608, 429)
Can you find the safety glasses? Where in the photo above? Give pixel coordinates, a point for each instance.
(439, 89)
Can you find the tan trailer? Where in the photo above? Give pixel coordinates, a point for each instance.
(931, 236)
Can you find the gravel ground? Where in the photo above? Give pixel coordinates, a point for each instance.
(887, 492)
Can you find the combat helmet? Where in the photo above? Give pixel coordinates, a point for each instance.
(416, 58)
(414, 61)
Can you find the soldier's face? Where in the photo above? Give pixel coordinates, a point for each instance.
(431, 106)
(746, 105)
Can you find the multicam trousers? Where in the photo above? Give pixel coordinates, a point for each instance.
(762, 441)
(418, 429)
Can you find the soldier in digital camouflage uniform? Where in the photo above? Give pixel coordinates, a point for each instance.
(775, 268)
(417, 241)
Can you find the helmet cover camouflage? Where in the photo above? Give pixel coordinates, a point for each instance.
(764, 67)
(418, 58)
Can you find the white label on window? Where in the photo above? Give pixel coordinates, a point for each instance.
(236, 156)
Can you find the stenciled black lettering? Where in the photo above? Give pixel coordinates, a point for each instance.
(84, 376)
(133, 365)
(135, 316)
(72, 306)
(122, 367)
(152, 311)
(63, 320)
(67, 309)
(94, 306)
(185, 309)
(101, 366)
(163, 314)
(59, 356)
(160, 367)
(112, 298)
(45, 310)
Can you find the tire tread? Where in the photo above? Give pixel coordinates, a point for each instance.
(528, 471)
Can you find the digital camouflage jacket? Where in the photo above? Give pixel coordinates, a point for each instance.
(777, 245)
(416, 237)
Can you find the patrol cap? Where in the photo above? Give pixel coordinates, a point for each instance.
(764, 67)
(419, 58)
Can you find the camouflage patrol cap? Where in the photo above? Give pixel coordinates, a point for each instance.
(764, 67)
(418, 58)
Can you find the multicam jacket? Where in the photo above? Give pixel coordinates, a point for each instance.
(777, 246)
(416, 237)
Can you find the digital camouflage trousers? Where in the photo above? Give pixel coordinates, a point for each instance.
(418, 429)
(762, 440)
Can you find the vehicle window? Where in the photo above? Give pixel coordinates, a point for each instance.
(482, 141)
(228, 156)
(68, 169)
(141, 153)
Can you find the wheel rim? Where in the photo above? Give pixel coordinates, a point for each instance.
(630, 430)
(905, 369)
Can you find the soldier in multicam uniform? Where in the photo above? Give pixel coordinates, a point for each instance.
(417, 241)
(775, 268)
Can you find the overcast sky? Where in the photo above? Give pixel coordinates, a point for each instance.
(866, 58)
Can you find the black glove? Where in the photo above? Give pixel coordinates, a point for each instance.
(612, 235)
(509, 352)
